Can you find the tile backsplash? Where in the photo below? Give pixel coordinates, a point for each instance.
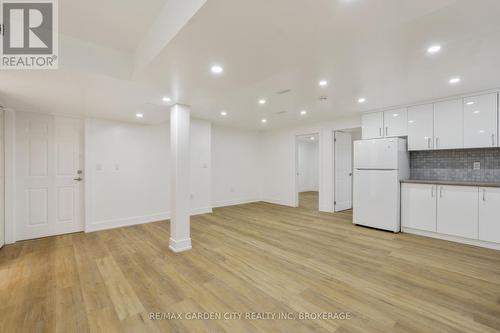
(456, 165)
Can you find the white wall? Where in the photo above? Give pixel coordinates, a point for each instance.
(236, 176)
(308, 165)
(278, 162)
(127, 172)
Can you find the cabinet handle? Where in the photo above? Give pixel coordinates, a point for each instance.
(432, 192)
(493, 140)
(441, 192)
(484, 195)
(437, 142)
(387, 131)
(429, 143)
(380, 131)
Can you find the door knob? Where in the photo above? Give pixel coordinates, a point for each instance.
(79, 179)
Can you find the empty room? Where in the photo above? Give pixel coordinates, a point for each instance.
(250, 166)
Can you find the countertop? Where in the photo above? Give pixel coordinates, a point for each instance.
(452, 183)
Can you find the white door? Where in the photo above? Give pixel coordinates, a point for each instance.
(376, 154)
(343, 171)
(49, 199)
(2, 181)
(480, 121)
(372, 125)
(448, 125)
(421, 127)
(376, 199)
(489, 213)
(418, 206)
(396, 123)
(457, 211)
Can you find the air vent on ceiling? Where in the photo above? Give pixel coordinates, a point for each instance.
(281, 112)
(286, 91)
(323, 98)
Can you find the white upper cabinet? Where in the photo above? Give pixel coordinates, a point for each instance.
(421, 127)
(480, 121)
(373, 125)
(489, 212)
(448, 125)
(457, 209)
(418, 206)
(396, 123)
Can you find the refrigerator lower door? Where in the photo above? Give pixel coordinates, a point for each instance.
(376, 199)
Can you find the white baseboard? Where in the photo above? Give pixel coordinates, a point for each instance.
(201, 211)
(455, 239)
(279, 202)
(228, 203)
(130, 221)
(126, 222)
(180, 246)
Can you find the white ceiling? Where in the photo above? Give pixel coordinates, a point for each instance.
(374, 49)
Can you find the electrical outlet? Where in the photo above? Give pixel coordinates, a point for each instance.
(477, 166)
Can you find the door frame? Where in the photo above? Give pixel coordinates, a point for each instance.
(296, 166)
(10, 174)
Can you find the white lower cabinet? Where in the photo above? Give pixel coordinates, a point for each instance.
(457, 208)
(418, 209)
(469, 212)
(489, 214)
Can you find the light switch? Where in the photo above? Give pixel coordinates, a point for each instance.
(477, 165)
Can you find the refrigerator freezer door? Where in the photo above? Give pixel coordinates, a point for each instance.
(376, 154)
(376, 199)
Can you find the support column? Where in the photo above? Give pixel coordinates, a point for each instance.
(180, 233)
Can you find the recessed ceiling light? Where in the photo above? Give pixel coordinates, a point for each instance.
(362, 100)
(313, 138)
(477, 112)
(471, 103)
(395, 115)
(323, 83)
(264, 120)
(139, 115)
(223, 113)
(434, 49)
(262, 101)
(166, 99)
(411, 121)
(303, 112)
(455, 80)
(216, 69)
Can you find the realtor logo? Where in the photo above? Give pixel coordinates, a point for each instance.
(29, 34)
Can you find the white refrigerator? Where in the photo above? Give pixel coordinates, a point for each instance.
(379, 166)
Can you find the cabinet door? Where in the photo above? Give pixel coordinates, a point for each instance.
(480, 121)
(489, 214)
(421, 127)
(448, 125)
(418, 206)
(373, 125)
(396, 123)
(457, 210)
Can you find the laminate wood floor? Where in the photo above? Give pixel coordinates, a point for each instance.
(249, 259)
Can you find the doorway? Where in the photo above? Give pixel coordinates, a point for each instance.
(308, 171)
(343, 156)
(49, 160)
